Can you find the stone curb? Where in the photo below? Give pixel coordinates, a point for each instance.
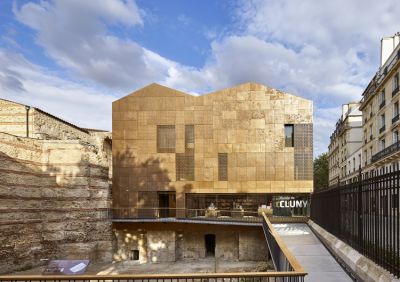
(365, 268)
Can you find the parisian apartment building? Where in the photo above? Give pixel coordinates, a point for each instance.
(378, 143)
(345, 145)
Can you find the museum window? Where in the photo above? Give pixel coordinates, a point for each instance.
(189, 138)
(222, 166)
(184, 167)
(289, 135)
(166, 138)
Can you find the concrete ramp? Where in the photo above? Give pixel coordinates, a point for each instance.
(311, 253)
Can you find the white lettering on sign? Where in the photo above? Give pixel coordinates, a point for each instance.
(292, 204)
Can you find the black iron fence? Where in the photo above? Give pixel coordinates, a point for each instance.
(365, 215)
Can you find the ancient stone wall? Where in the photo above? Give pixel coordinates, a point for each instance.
(53, 196)
(160, 242)
(41, 125)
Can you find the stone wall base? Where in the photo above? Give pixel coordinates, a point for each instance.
(364, 268)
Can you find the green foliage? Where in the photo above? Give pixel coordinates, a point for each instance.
(321, 172)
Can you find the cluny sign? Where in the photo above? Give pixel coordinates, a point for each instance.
(292, 204)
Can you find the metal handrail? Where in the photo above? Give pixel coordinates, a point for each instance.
(162, 277)
(294, 264)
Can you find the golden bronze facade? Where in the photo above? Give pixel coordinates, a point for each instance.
(246, 122)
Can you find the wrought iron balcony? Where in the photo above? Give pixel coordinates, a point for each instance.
(396, 118)
(386, 152)
(382, 129)
(382, 104)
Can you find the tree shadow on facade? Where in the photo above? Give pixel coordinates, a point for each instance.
(142, 188)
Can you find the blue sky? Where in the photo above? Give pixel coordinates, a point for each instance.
(73, 58)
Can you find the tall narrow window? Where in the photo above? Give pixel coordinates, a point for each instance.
(289, 135)
(382, 144)
(166, 138)
(189, 138)
(395, 84)
(371, 133)
(382, 123)
(395, 135)
(395, 110)
(222, 166)
(382, 99)
(370, 153)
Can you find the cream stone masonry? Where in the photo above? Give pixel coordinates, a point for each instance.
(380, 108)
(345, 154)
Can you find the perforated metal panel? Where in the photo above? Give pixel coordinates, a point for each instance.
(222, 166)
(303, 165)
(303, 154)
(303, 136)
(189, 138)
(166, 138)
(184, 167)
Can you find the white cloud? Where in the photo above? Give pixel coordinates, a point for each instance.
(75, 34)
(30, 84)
(325, 51)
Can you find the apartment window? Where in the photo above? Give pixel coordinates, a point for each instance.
(395, 136)
(382, 144)
(184, 167)
(189, 138)
(395, 84)
(289, 135)
(365, 156)
(359, 160)
(354, 164)
(395, 112)
(370, 152)
(222, 166)
(370, 132)
(382, 123)
(166, 138)
(382, 99)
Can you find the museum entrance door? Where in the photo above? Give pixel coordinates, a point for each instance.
(167, 204)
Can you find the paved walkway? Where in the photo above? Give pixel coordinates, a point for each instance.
(311, 253)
